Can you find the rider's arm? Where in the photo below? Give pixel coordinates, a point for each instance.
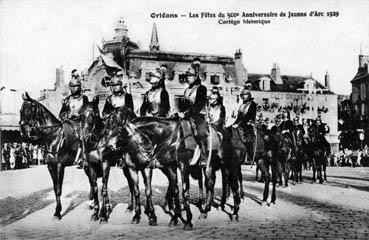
(222, 117)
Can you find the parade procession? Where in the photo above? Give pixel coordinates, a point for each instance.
(194, 141)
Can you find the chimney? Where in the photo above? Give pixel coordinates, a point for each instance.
(59, 77)
(241, 72)
(326, 81)
(276, 74)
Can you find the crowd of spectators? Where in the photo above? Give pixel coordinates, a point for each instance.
(347, 157)
(21, 155)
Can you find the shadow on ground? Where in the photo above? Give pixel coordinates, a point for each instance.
(14, 209)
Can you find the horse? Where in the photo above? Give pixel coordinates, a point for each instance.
(288, 156)
(318, 152)
(39, 125)
(301, 156)
(264, 153)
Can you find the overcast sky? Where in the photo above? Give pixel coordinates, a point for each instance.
(39, 35)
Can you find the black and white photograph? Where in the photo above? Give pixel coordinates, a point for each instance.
(184, 119)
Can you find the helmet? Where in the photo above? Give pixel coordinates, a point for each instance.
(75, 85)
(192, 75)
(116, 84)
(155, 77)
(245, 94)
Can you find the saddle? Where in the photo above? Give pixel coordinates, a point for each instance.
(189, 137)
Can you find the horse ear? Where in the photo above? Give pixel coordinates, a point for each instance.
(26, 97)
(96, 100)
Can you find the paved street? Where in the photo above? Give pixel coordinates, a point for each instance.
(338, 209)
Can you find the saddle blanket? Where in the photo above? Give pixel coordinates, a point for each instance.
(189, 139)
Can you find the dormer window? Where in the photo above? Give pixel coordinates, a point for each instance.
(214, 79)
(264, 84)
(182, 78)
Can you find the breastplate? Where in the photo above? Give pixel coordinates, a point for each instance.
(75, 105)
(244, 108)
(214, 114)
(154, 99)
(118, 101)
(190, 94)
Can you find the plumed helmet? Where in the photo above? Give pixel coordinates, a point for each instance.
(157, 73)
(75, 82)
(191, 72)
(245, 92)
(116, 81)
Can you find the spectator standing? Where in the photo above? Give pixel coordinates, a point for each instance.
(40, 155)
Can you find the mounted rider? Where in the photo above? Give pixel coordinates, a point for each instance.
(71, 107)
(245, 121)
(286, 126)
(119, 105)
(195, 98)
(217, 112)
(156, 100)
(322, 130)
(297, 126)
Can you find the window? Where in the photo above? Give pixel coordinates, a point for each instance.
(147, 76)
(182, 78)
(264, 84)
(214, 79)
(363, 91)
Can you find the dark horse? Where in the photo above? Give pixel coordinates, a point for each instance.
(318, 153)
(38, 124)
(265, 153)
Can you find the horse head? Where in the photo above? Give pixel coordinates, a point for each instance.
(34, 119)
(90, 119)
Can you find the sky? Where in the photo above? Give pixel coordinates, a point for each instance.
(40, 35)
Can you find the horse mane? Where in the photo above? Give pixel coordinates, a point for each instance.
(41, 113)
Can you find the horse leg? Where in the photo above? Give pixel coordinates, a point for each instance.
(149, 210)
(171, 173)
(136, 192)
(314, 168)
(233, 182)
(90, 204)
(275, 169)
(264, 168)
(131, 187)
(319, 172)
(58, 171)
(209, 185)
(94, 192)
(105, 208)
(224, 187)
(52, 170)
(325, 171)
(201, 191)
(186, 195)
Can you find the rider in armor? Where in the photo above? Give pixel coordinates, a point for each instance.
(156, 100)
(298, 126)
(217, 112)
(119, 104)
(245, 120)
(71, 107)
(323, 129)
(195, 98)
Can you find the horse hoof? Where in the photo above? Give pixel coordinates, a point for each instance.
(129, 208)
(233, 217)
(56, 217)
(173, 222)
(94, 217)
(135, 220)
(187, 226)
(153, 222)
(103, 220)
(90, 204)
(203, 216)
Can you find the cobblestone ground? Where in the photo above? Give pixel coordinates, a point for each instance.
(337, 209)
